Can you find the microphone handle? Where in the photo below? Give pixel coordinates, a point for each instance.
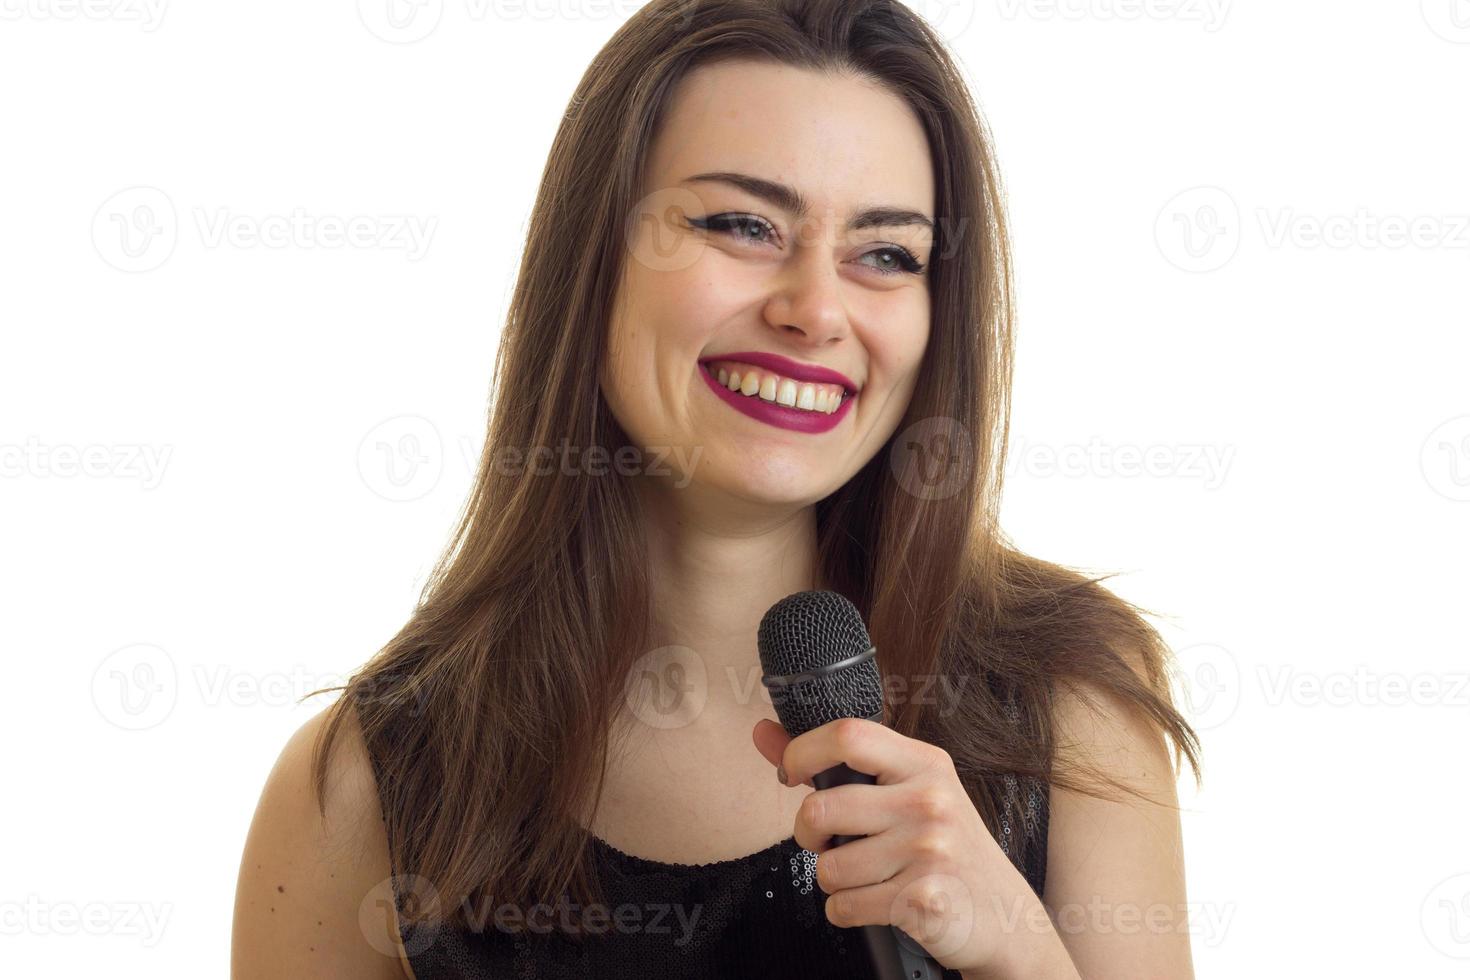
(894, 953)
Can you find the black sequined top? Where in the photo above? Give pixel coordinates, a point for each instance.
(758, 917)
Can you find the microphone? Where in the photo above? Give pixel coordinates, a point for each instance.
(818, 666)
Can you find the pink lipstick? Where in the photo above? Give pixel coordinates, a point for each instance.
(772, 413)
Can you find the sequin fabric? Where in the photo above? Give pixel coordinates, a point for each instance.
(1024, 813)
(757, 917)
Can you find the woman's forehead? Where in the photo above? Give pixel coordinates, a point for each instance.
(840, 141)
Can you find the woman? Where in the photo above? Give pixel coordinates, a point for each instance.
(760, 343)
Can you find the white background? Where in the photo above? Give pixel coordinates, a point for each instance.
(229, 464)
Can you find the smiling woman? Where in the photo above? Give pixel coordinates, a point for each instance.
(769, 245)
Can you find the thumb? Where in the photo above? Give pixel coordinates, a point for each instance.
(770, 740)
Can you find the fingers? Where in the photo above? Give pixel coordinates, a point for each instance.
(936, 910)
(859, 906)
(770, 740)
(868, 861)
(865, 746)
(854, 809)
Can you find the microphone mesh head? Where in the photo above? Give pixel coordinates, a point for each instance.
(809, 630)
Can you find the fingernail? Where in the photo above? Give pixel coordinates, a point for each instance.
(781, 774)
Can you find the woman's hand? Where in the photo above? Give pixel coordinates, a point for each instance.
(927, 863)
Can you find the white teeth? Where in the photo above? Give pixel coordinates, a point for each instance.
(783, 391)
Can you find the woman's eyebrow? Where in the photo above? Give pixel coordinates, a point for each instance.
(790, 200)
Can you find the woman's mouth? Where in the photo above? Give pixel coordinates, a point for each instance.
(777, 400)
(754, 382)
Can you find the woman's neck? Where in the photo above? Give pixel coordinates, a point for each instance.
(712, 578)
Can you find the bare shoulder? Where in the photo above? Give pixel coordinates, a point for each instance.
(313, 897)
(1099, 729)
(1123, 855)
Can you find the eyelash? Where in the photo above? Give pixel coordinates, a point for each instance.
(728, 222)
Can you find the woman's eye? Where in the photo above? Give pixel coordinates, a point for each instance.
(745, 226)
(901, 261)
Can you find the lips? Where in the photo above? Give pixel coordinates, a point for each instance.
(787, 368)
(778, 415)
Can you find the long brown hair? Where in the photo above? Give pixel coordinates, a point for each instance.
(487, 715)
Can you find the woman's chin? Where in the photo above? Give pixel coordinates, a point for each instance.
(771, 482)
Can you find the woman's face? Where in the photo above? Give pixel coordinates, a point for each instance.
(718, 275)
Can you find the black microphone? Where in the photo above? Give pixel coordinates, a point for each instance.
(818, 666)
